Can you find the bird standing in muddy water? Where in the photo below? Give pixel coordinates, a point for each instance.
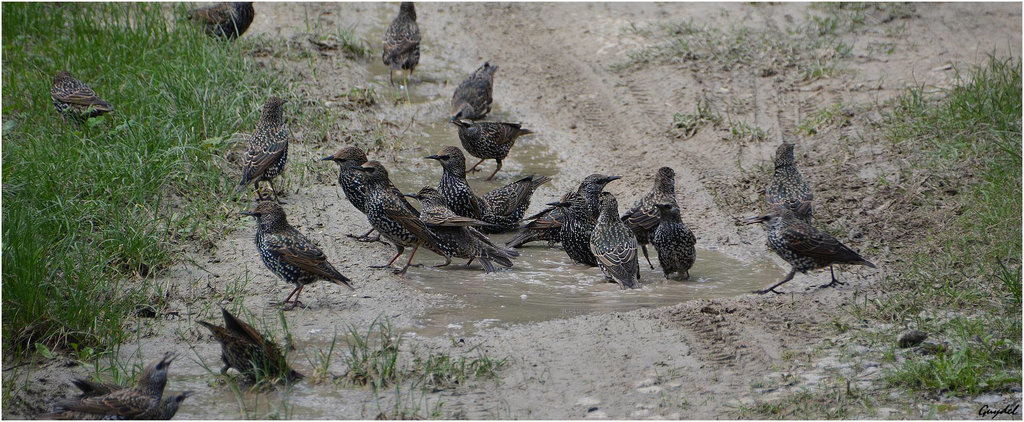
(787, 187)
(224, 20)
(472, 99)
(75, 100)
(289, 254)
(547, 224)
(614, 245)
(267, 150)
(577, 228)
(168, 407)
(673, 241)
(802, 245)
(395, 218)
(489, 140)
(143, 401)
(643, 218)
(248, 351)
(458, 237)
(351, 182)
(402, 43)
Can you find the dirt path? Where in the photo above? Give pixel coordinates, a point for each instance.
(700, 359)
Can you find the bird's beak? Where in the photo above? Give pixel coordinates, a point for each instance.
(558, 204)
(328, 158)
(248, 213)
(752, 220)
(433, 157)
(611, 178)
(412, 195)
(187, 394)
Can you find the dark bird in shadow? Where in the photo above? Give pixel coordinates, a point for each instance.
(224, 20)
(472, 99)
(248, 351)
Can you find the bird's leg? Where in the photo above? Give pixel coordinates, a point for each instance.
(784, 280)
(643, 246)
(409, 262)
(474, 169)
(687, 276)
(447, 260)
(834, 282)
(296, 302)
(495, 170)
(259, 193)
(227, 365)
(392, 261)
(287, 299)
(274, 191)
(470, 261)
(365, 237)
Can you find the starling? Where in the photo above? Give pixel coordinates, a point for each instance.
(289, 254)
(803, 246)
(643, 217)
(458, 237)
(402, 42)
(143, 401)
(546, 225)
(502, 207)
(673, 241)
(472, 99)
(614, 245)
(390, 214)
(787, 186)
(487, 140)
(268, 148)
(350, 180)
(248, 351)
(224, 20)
(73, 99)
(577, 228)
(168, 407)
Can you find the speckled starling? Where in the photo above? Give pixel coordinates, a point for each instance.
(289, 254)
(402, 42)
(168, 407)
(577, 228)
(142, 401)
(390, 214)
(787, 186)
(502, 207)
(458, 237)
(673, 241)
(224, 20)
(614, 245)
(472, 99)
(546, 225)
(248, 351)
(75, 100)
(802, 245)
(489, 140)
(267, 150)
(643, 217)
(350, 180)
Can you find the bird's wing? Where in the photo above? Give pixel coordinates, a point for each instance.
(400, 39)
(409, 221)
(642, 215)
(213, 15)
(124, 403)
(235, 325)
(93, 389)
(305, 255)
(257, 160)
(619, 261)
(810, 242)
(444, 217)
(508, 197)
(500, 133)
(82, 95)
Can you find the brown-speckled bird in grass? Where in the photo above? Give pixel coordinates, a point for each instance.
(168, 407)
(224, 20)
(472, 99)
(787, 187)
(141, 401)
(802, 245)
(614, 245)
(289, 254)
(75, 100)
(673, 241)
(267, 151)
(402, 42)
(547, 224)
(458, 236)
(489, 140)
(248, 351)
(351, 182)
(395, 219)
(643, 218)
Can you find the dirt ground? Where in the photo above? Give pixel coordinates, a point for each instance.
(562, 74)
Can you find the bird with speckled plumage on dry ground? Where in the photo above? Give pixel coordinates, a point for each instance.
(168, 407)
(458, 236)
(141, 401)
(224, 20)
(787, 186)
(614, 245)
(267, 149)
(75, 100)
(351, 182)
(489, 140)
(472, 98)
(290, 255)
(547, 224)
(248, 351)
(402, 43)
(503, 207)
(394, 218)
(673, 241)
(802, 245)
(643, 217)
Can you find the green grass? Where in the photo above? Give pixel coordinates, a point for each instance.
(440, 371)
(373, 356)
(963, 282)
(91, 213)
